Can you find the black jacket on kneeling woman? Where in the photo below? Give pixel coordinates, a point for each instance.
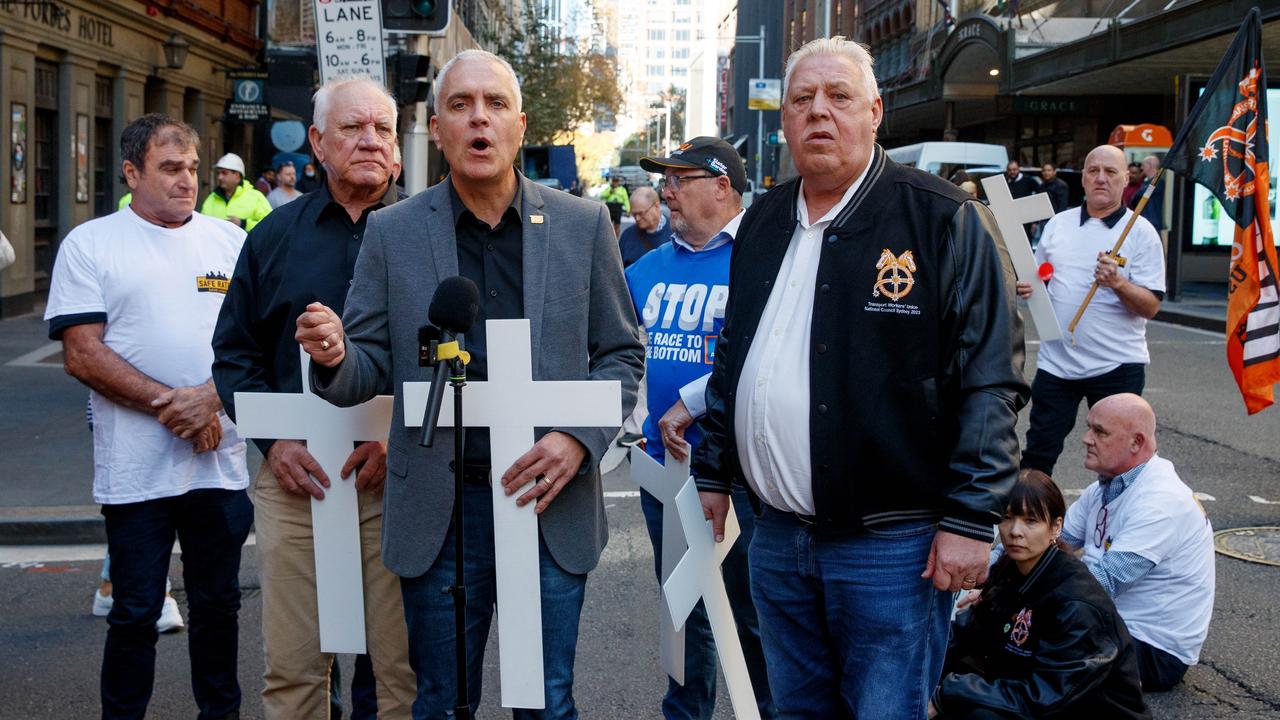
(1047, 645)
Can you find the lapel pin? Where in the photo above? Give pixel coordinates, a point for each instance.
(535, 219)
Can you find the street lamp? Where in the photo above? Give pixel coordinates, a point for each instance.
(175, 51)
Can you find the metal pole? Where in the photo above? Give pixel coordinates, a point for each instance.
(824, 18)
(416, 153)
(760, 122)
(666, 138)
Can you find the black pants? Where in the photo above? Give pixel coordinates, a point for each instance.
(1055, 401)
(1159, 670)
(212, 526)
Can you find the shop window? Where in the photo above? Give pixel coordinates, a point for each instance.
(103, 146)
(44, 172)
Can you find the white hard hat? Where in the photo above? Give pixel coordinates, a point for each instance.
(230, 161)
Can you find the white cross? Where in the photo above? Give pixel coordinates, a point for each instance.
(663, 482)
(330, 433)
(698, 576)
(1010, 216)
(512, 405)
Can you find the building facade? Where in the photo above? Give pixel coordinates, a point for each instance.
(73, 74)
(1047, 79)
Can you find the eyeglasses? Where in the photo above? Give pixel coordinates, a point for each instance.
(674, 181)
(638, 213)
(1100, 528)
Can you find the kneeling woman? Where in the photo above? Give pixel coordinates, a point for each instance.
(1044, 640)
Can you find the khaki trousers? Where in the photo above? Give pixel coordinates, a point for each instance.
(297, 673)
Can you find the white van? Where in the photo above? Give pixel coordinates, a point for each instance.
(945, 158)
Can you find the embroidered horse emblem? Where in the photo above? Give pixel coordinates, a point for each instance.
(1021, 627)
(895, 279)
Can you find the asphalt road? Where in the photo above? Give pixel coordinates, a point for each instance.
(55, 645)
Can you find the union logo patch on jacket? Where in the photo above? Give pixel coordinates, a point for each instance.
(895, 281)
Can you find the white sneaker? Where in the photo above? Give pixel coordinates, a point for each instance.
(170, 619)
(101, 604)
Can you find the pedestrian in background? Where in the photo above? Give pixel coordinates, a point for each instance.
(287, 189)
(651, 228)
(234, 199)
(615, 198)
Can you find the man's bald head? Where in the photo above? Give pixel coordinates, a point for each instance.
(644, 194)
(1105, 174)
(645, 209)
(1121, 434)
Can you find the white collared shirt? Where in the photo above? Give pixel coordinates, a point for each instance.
(771, 418)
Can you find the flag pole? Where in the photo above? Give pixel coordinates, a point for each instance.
(1115, 251)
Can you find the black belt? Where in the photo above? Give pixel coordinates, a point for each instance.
(474, 474)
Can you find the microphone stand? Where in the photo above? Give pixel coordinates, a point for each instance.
(448, 356)
(458, 380)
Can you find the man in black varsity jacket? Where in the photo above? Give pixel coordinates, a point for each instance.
(866, 386)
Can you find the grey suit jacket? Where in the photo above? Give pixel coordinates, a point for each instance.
(583, 328)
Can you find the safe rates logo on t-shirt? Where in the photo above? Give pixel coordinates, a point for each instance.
(213, 282)
(681, 320)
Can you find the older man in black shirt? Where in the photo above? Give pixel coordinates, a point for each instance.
(305, 252)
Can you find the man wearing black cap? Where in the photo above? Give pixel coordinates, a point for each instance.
(679, 291)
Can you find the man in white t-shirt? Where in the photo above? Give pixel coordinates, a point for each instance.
(1108, 353)
(134, 299)
(1145, 538)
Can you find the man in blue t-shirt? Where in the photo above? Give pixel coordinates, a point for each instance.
(680, 290)
(651, 229)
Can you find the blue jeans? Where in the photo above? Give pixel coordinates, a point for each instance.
(429, 617)
(850, 629)
(212, 526)
(696, 699)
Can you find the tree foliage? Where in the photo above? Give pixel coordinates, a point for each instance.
(564, 83)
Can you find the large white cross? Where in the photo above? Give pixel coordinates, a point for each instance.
(330, 433)
(698, 577)
(1010, 216)
(512, 405)
(663, 482)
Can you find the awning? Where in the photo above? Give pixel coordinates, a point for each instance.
(1144, 135)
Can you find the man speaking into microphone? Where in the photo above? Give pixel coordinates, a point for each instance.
(546, 256)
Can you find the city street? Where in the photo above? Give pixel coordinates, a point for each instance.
(55, 644)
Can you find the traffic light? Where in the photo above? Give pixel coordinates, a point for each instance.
(410, 77)
(420, 17)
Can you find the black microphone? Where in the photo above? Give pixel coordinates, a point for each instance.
(454, 308)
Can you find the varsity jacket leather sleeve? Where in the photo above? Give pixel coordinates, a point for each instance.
(915, 393)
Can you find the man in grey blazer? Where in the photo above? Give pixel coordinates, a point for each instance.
(534, 253)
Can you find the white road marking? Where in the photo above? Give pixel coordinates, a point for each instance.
(1205, 497)
(26, 556)
(33, 358)
(622, 494)
(1263, 501)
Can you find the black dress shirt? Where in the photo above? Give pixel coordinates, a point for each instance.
(492, 258)
(301, 253)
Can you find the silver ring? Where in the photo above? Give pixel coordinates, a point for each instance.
(324, 344)
(545, 479)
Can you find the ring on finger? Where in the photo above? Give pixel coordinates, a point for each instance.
(544, 479)
(324, 344)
